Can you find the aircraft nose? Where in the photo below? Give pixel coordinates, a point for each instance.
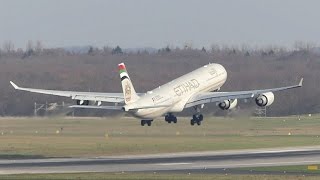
(223, 70)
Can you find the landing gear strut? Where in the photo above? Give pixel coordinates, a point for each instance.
(148, 122)
(170, 118)
(197, 117)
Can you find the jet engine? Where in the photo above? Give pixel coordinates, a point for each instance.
(85, 102)
(265, 99)
(228, 104)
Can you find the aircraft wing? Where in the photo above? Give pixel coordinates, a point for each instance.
(211, 97)
(91, 96)
(118, 107)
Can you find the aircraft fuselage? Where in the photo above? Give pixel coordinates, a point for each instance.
(176, 93)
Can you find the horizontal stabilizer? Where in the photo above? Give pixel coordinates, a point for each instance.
(300, 83)
(97, 107)
(14, 85)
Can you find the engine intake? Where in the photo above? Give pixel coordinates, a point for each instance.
(265, 99)
(228, 104)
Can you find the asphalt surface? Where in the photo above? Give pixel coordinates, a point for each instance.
(205, 162)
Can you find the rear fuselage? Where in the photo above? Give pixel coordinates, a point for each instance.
(175, 94)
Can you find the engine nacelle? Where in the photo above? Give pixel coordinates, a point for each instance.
(85, 102)
(265, 99)
(228, 104)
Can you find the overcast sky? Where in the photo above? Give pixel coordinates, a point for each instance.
(157, 23)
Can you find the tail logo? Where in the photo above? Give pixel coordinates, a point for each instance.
(127, 92)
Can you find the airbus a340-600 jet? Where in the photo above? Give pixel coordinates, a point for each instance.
(191, 90)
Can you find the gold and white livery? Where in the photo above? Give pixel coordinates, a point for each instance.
(194, 89)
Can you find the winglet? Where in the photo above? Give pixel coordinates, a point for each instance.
(300, 83)
(14, 85)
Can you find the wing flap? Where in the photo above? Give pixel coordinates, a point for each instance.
(211, 97)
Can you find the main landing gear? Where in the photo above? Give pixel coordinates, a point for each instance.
(148, 122)
(170, 118)
(197, 117)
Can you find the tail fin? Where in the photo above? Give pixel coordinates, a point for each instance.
(129, 93)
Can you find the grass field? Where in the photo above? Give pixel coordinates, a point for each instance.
(301, 169)
(146, 176)
(78, 137)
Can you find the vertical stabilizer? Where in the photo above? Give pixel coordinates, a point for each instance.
(129, 92)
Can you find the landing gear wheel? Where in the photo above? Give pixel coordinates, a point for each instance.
(148, 122)
(175, 120)
(143, 122)
(199, 123)
(196, 118)
(166, 118)
(192, 122)
(200, 117)
(170, 118)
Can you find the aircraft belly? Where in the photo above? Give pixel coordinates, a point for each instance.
(150, 113)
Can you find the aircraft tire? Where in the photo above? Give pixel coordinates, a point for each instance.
(175, 120)
(143, 122)
(200, 117)
(166, 118)
(199, 123)
(192, 122)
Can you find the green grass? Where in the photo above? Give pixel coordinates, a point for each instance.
(147, 176)
(81, 137)
(303, 169)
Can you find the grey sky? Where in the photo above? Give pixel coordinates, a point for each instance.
(157, 23)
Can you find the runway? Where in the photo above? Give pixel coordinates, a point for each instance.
(173, 162)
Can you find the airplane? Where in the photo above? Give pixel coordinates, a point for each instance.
(192, 90)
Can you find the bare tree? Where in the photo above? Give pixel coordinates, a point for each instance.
(215, 48)
(245, 48)
(19, 51)
(303, 46)
(8, 46)
(29, 46)
(29, 49)
(39, 47)
(107, 50)
(188, 45)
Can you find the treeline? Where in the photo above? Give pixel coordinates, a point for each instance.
(37, 48)
(95, 69)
